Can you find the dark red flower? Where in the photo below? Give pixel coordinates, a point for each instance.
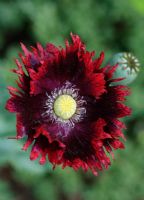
(67, 107)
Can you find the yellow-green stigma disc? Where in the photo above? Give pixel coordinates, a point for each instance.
(65, 106)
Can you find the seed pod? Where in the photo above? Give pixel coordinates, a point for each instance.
(128, 67)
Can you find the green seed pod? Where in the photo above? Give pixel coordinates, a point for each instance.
(128, 67)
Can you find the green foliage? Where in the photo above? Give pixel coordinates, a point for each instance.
(4, 188)
(104, 25)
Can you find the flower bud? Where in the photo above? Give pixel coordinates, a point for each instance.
(128, 67)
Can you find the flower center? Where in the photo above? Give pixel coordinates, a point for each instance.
(65, 106)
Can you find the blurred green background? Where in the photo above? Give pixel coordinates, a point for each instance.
(104, 25)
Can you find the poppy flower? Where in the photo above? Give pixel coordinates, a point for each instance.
(66, 106)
